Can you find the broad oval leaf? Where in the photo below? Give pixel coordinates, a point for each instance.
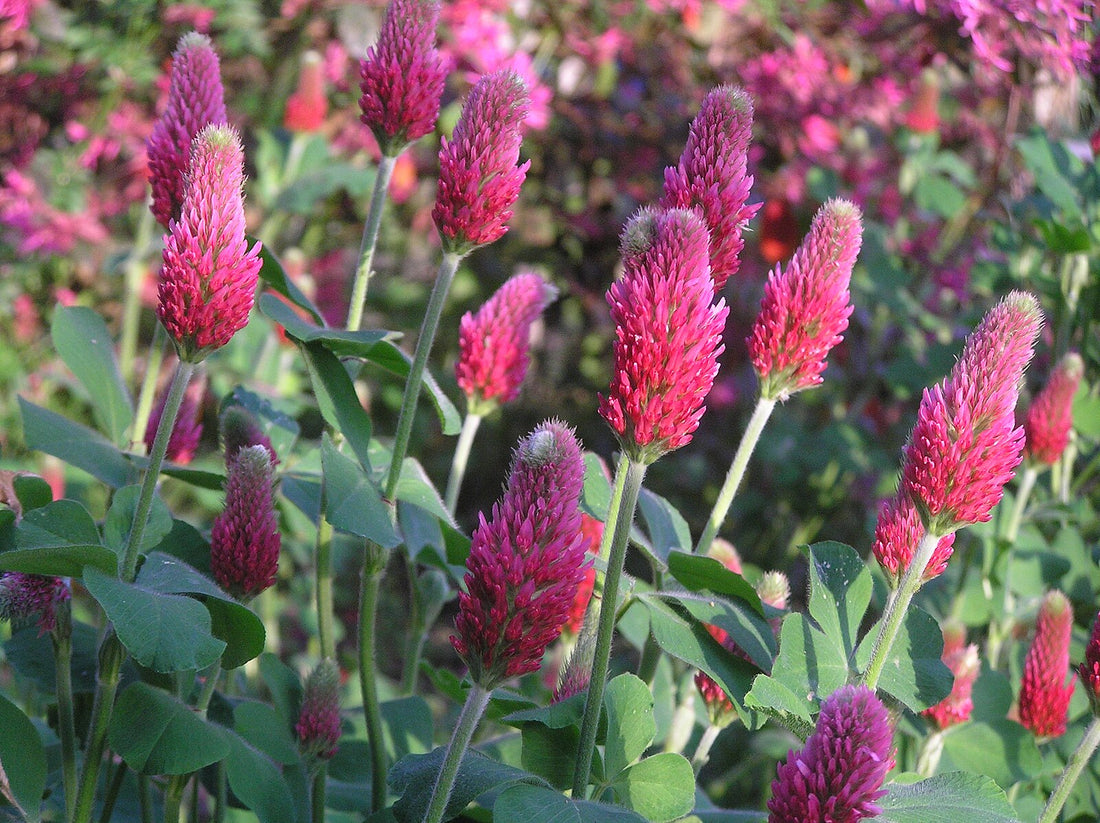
(660, 788)
(840, 592)
(628, 704)
(914, 672)
(353, 502)
(257, 781)
(77, 445)
(701, 573)
(974, 798)
(22, 761)
(534, 804)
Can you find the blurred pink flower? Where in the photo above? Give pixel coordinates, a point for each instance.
(194, 15)
(245, 539)
(592, 533)
(187, 430)
(1047, 684)
(962, 660)
(1049, 419)
(307, 107)
(37, 226)
(31, 595)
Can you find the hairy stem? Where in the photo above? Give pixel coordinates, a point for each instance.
(461, 458)
(374, 566)
(1077, 762)
(476, 701)
(370, 240)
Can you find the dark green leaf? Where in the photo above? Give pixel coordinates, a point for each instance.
(257, 782)
(420, 530)
(666, 527)
(61, 523)
(120, 519)
(407, 725)
(32, 491)
(1038, 153)
(840, 592)
(60, 561)
(186, 543)
(628, 704)
(22, 761)
(337, 400)
(415, 487)
(701, 573)
(1000, 749)
(534, 804)
(78, 445)
(260, 725)
(596, 495)
(30, 653)
(340, 342)
(273, 274)
(348, 787)
(550, 753)
(660, 788)
(775, 699)
(747, 629)
(284, 685)
(353, 503)
(914, 672)
(555, 716)
(954, 796)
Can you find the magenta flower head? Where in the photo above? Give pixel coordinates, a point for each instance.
(493, 344)
(525, 562)
(965, 446)
(838, 775)
(962, 660)
(668, 333)
(479, 180)
(403, 75)
(805, 308)
(239, 430)
(1050, 418)
(712, 176)
(24, 596)
(245, 540)
(1047, 683)
(1089, 670)
(318, 726)
(195, 100)
(897, 534)
(209, 273)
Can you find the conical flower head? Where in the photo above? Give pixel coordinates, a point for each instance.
(525, 561)
(318, 726)
(965, 446)
(493, 344)
(1050, 418)
(774, 589)
(239, 430)
(668, 333)
(245, 539)
(195, 100)
(1089, 670)
(805, 308)
(479, 180)
(209, 273)
(838, 775)
(962, 660)
(898, 532)
(712, 176)
(32, 595)
(1047, 683)
(403, 75)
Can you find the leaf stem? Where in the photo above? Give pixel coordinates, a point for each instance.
(374, 566)
(370, 241)
(414, 643)
(472, 709)
(317, 795)
(62, 637)
(131, 307)
(111, 656)
(461, 458)
(173, 797)
(1077, 762)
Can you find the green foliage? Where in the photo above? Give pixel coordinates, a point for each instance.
(22, 762)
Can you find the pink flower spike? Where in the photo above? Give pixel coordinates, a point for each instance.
(1049, 420)
(209, 274)
(493, 344)
(32, 595)
(838, 775)
(805, 308)
(318, 726)
(712, 176)
(307, 107)
(897, 534)
(668, 333)
(963, 662)
(245, 539)
(479, 180)
(525, 562)
(965, 446)
(1047, 683)
(1089, 670)
(403, 75)
(195, 100)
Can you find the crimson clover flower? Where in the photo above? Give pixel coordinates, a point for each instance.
(805, 307)
(32, 595)
(838, 774)
(402, 76)
(245, 539)
(897, 534)
(1050, 417)
(493, 344)
(307, 107)
(195, 100)
(209, 273)
(713, 177)
(1047, 684)
(318, 726)
(525, 561)
(668, 333)
(962, 660)
(592, 534)
(1089, 670)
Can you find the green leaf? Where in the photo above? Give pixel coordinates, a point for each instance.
(340, 342)
(1001, 749)
(78, 445)
(156, 733)
(32, 491)
(596, 494)
(550, 753)
(630, 725)
(534, 804)
(257, 781)
(840, 592)
(337, 400)
(353, 501)
(702, 573)
(60, 561)
(31, 654)
(120, 519)
(273, 274)
(666, 527)
(22, 761)
(568, 712)
(747, 629)
(407, 726)
(348, 786)
(58, 539)
(230, 621)
(285, 687)
(81, 338)
(163, 632)
(1038, 153)
(914, 672)
(775, 699)
(415, 487)
(955, 796)
(660, 788)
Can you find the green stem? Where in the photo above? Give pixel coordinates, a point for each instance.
(1077, 762)
(370, 240)
(414, 642)
(131, 308)
(317, 795)
(624, 517)
(128, 566)
(323, 581)
(145, 799)
(461, 458)
(111, 655)
(373, 568)
(62, 636)
(896, 608)
(447, 268)
(702, 751)
(173, 797)
(112, 793)
(930, 753)
(760, 415)
(1027, 483)
(148, 388)
(474, 707)
(651, 651)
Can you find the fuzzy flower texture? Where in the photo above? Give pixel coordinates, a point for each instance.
(838, 775)
(479, 180)
(209, 273)
(897, 534)
(1047, 685)
(493, 344)
(23, 596)
(245, 539)
(1089, 670)
(525, 561)
(668, 333)
(403, 75)
(318, 726)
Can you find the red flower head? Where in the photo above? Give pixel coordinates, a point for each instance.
(307, 107)
(209, 273)
(32, 595)
(195, 100)
(187, 431)
(805, 308)
(965, 447)
(1090, 667)
(897, 534)
(963, 662)
(402, 78)
(668, 333)
(493, 344)
(318, 726)
(1047, 683)
(245, 540)
(1050, 418)
(592, 534)
(525, 562)
(712, 176)
(479, 180)
(239, 430)
(838, 775)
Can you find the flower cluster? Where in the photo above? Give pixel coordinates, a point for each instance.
(183, 442)
(1089, 670)
(24, 596)
(962, 660)
(318, 726)
(245, 539)
(1047, 684)
(1049, 419)
(897, 533)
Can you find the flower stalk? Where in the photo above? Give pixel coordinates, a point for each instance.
(370, 240)
(460, 460)
(374, 566)
(1066, 780)
(472, 710)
